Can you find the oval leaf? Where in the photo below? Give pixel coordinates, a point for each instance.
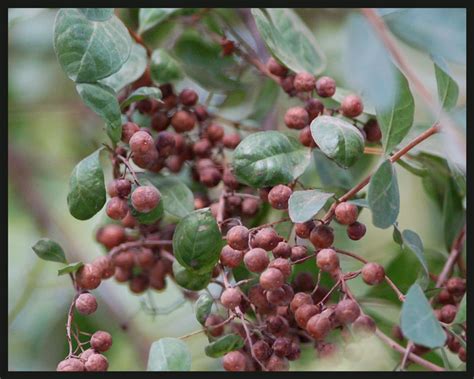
(303, 205)
(140, 94)
(49, 250)
(202, 307)
(197, 241)
(97, 14)
(86, 194)
(190, 279)
(169, 354)
(164, 68)
(413, 243)
(269, 158)
(90, 50)
(338, 140)
(150, 17)
(223, 345)
(383, 196)
(70, 268)
(448, 90)
(418, 321)
(102, 100)
(289, 39)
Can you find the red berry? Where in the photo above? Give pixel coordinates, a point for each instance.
(105, 265)
(304, 312)
(183, 121)
(303, 230)
(356, 231)
(279, 195)
(276, 363)
(282, 250)
(231, 298)
(462, 354)
(283, 265)
(97, 362)
(141, 143)
(144, 258)
(314, 107)
(128, 130)
(296, 118)
(372, 131)
(364, 325)
(448, 313)
(145, 198)
(88, 277)
(327, 260)
(306, 138)
(231, 141)
(456, 286)
(117, 208)
(238, 237)
(110, 235)
(298, 252)
(373, 273)
(160, 121)
(318, 326)
(139, 283)
(257, 296)
(299, 299)
(276, 68)
(188, 97)
(281, 346)
(326, 86)
(304, 82)
(346, 213)
(261, 350)
(347, 311)
(234, 361)
(271, 279)
(267, 239)
(352, 106)
(256, 260)
(101, 341)
(215, 132)
(86, 303)
(70, 364)
(201, 113)
(230, 257)
(250, 206)
(322, 236)
(211, 321)
(165, 144)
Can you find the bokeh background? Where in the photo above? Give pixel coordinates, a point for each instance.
(50, 130)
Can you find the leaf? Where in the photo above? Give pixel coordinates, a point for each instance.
(438, 31)
(70, 268)
(269, 158)
(397, 235)
(190, 279)
(448, 90)
(197, 241)
(413, 243)
(223, 345)
(131, 70)
(383, 196)
(140, 94)
(418, 321)
(150, 17)
(102, 100)
(303, 205)
(461, 315)
(169, 354)
(338, 140)
(49, 250)
(89, 50)
(86, 194)
(454, 215)
(97, 14)
(289, 39)
(202, 307)
(359, 202)
(164, 68)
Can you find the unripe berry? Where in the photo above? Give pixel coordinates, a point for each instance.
(231, 298)
(276, 363)
(183, 121)
(314, 107)
(448, 313)
(202, 148)
(282, 250)
(299, 299)
(128, 130)
(230, 257)
(322, 236)
(364, 325)
(141, 143)
(352, 106)
(296, 118)
(231, 141)
(188, 97)
(101, 341)
(276, 68)
(271, 279)
(298, 252)
(88, 277)
(250, 206)
(281, 346)
(70, 364)
(256, 260)
(327, 260)
(373, 273)
(117, 208)
(326, 86)
(304, 312)
(145, 198)
(372, 131)
(139, 284)
(215, 132)
(261, 350)
(160, 121)
(356, 231)
(238, 237)
(267, 239)
(304, 82)
(165, 144)
(346, 213)
(105, 265)
(211, 321)
(306, 138)
(304, 229)
(279, 195)
(318, 326)
(234, 361)
(347, 311)
(97, 362)
(456, 286)
(283, 265)
(86, 303)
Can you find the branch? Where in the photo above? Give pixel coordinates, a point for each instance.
(140, 243)
(456, 250)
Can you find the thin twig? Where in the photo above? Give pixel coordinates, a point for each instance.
(130, 168)
(146, 243)
(456, 250)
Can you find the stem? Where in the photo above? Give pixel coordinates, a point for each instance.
(456, 250)
(70, 319)
(146, 243)
(130, 168)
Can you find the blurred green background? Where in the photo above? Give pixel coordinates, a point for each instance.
(50, 130)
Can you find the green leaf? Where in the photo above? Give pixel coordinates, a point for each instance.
(383, 196)
(202, 307)
(190, 279)
(303, 205)
(97, 14)
(269, 158)
(169, 354)
(397, 235)
(461, 315)
(86, 194)
(412, 242)
(90, 50)
(49, 250)
(223, 345)
(131, 70)
(418, 321)
(70, 268)
(448, 90)
(140, 94)
(150, 17)
(289, 39)
(360, 203)
(338, 140)
(197, 241)
(164, 68)
(454, 215)
(102, 100)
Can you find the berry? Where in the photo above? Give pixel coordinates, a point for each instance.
(306, 138)
(271, 279)
(231, 141)
(276, 363)
(105, 265)
(282, 250)
(327, 260)
(283, 265)
(263, 194)
(448, 313)
(234, 361)
(119, 187)
(202, 148)
(183, 121)
(230, 180)
(238, 237)
(347, 311)
(145, 198)
(101, 341)
(139, 284)
(84, 356)
(210, 323)
(230, 257)
(250, 206)
(201, 113)
(170, 101)
(97, 362)
(318, 326)
(144, 258)
(287, 84)
(146, 160)
(215, 132)
(295, 352)
(322, 236)
(117, 208)
(372, 131)
(122, 274)
(346, 213)
(277, 325)
(141, 143)
(299, 299)
(356, 231)
(298, 252)
(456, 286)
(373, 273)
(296, 118)
(88, 277)
(304, 229)
(261, 349)
(70, 364)
(165, 144)
(304, 82)
(257, 296)
(276, 68)
(128, 130)
(160, 121)
(462, 354)
(267, 239)
(453, 343)
(227, 47)
(304, 312)
(276, 296)
(188, 97)
(352, 106)
(256, 260)
(279, 195)
(282, 346)
(326, 86)
(231, 298)
(364, 325)
(124, 259)
(314, 107)
(445, 297)
(86, 303)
